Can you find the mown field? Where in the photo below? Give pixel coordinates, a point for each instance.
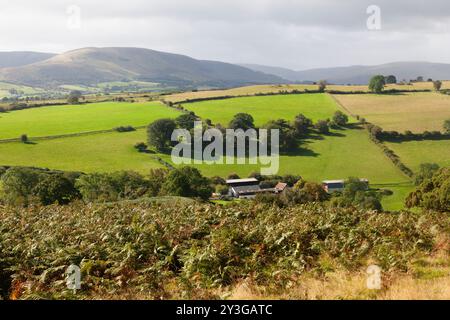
(60, 120)
(264, 109)
(416, 112)
(252, 90)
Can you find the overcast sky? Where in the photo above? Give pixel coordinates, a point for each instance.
(297, 34)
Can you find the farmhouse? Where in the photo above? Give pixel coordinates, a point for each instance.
(332, 186)
(243, 188)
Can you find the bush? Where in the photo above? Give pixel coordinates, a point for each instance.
(186, 121)
(447, 126)
(108, 187)
(340, 118)
(17, 185)
(125, 129)
(141, 147)
(322, 126)
(426, 171)
(433, 193)
(222, 190)
(187, 182)
(24, 138)
(56, 188)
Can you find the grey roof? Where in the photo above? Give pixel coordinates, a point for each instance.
(233, 181)
(247, 189)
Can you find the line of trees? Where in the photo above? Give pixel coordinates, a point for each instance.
(159, 133)
(24, 186)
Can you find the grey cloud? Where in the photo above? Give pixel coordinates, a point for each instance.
(291, 33)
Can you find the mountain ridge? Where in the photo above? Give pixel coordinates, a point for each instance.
(95, 65)
(361, 74)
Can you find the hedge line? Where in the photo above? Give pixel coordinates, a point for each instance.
(373, 134)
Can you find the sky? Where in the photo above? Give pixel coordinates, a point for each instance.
(296, 34)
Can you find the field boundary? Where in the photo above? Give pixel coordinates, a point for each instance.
(341, 105)
(68, 135)
(281, 92)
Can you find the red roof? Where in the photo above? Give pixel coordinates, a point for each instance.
(281, 186)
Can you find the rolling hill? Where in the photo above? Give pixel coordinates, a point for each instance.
(89, 66)
(22, 58)
(361, 74)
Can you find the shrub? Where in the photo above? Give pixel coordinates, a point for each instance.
(447, 126)
(18, 184)
(426, 171)
(125, 129)
(187, 182)
(108, 187)
(24, 138)
(322, 126)
(186, 121)
(55, 188)
(433, 193)
(222, 190)
(141, 147)
(340, 118)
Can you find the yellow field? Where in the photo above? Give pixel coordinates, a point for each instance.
(252, 90)
(410, 111)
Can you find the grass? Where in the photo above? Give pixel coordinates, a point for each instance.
(414, 153)
(345, 153)
(416, 112)
(60, 120)
(106, 152)
(252, 90)
(5, 87)
(337, 156)
(263, 109)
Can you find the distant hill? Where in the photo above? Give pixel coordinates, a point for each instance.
(362, 74)
(22, 58)
(89, 66)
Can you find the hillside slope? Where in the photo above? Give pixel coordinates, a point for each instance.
(22, 58)
(94, 65)
(362, 74)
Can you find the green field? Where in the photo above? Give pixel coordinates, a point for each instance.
(106, 152)
(414, 153)
(23, 90)
(316, 161)
(60, 120)
(263, 109)
(343, 153)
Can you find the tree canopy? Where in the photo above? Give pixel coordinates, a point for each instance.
(377, 84)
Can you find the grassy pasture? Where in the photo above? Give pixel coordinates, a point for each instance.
(58, 120)
(410, 111)
(263, 109)
(105, 152)
(5, 87)
(340, 155)
(344, 153)
(414, 153)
